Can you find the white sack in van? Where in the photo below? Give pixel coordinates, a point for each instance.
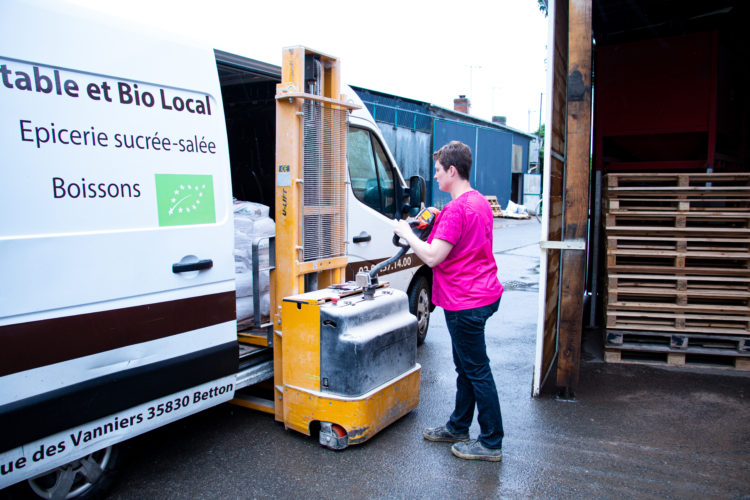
(245, 307)
(265, 226)
(241, 240)
(251, 221)
(243, 243)
(250, 209)
(243, 225)
(244, 283)
(242, 263)
(247, 229)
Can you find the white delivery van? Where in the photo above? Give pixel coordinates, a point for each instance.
(122, 153)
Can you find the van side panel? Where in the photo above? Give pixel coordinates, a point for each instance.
(115, 178)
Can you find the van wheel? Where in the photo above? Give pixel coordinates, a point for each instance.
(419, 305)
(87, 477)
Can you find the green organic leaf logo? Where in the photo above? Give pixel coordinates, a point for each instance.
(184, 199)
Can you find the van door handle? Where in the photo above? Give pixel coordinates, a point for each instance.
(179, 267)
(362, 237)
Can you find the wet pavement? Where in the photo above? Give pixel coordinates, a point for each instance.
(632, 431)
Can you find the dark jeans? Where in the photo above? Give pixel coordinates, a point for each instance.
(474, 385)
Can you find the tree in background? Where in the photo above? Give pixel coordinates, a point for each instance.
(543, 6)
(540, 134)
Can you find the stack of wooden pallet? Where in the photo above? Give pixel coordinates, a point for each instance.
(497, 211)
(678, 268)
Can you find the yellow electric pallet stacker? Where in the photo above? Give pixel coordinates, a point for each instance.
(344, 360)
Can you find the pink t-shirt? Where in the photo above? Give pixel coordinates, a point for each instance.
(467, 278)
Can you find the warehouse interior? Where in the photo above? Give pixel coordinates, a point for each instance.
(649, 166)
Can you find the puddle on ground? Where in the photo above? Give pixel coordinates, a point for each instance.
(532, 286)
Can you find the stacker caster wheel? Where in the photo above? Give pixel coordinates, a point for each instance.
(333, 436)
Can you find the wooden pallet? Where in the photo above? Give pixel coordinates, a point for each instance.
(677, 192)
(703, 183)
(695, 300)
(688, 203)
(681, 263)
(676, 359)
(678, 321)
(497, 210)
(679, 342)
(677, 243)
(623, 265)
(677, 349)
(676, 282)
(690, 224)
(662, 302)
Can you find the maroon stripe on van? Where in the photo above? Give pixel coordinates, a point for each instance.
(40, 343)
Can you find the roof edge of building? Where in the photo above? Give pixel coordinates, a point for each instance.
(445, 113)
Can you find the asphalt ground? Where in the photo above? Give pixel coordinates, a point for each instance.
(632, 431)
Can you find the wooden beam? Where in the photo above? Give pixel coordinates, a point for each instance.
(576, 190)
(554, 173)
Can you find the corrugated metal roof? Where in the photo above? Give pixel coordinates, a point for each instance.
(449, 114)
(374, 97)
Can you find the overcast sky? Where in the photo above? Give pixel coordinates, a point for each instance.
(493, 51)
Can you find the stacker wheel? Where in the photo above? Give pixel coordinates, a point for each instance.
(333, 436)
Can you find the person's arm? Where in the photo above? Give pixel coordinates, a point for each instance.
(431, 254)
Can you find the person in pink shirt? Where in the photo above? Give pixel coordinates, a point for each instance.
(465, 285)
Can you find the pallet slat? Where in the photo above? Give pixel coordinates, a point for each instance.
(635, 203)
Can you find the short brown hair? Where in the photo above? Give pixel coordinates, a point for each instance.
(455, 153)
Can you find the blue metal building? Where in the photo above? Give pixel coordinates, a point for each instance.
(415, 129)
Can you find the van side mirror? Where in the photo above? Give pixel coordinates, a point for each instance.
(417, 194)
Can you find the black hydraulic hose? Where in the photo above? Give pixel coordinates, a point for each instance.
(375, 270)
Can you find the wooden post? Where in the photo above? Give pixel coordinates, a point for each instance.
(576, 191)
(554, 172)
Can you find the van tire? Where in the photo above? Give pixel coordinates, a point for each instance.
(92, 476)
(419, 305)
